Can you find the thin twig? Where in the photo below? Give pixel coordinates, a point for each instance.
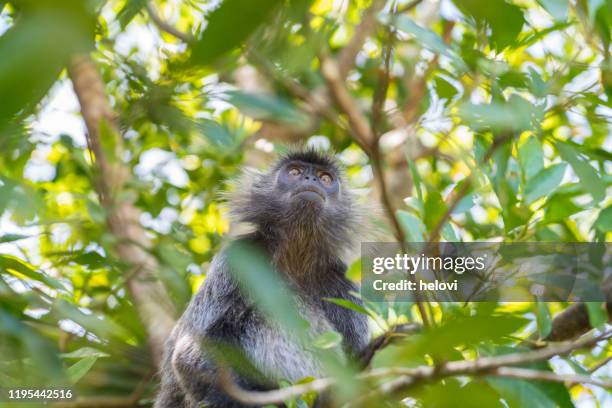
(165, 27)
(528, 374)
(433, 236)
(346, 58)
(600, 364)
(360, 127)
(365, 137)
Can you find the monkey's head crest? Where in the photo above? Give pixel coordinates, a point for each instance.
(304, 194)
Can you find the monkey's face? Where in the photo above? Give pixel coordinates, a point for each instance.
(307, 185)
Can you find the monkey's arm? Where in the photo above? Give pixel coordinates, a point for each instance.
(209, 331)
(365, 356)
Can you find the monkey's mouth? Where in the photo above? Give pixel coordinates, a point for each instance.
(311, 193)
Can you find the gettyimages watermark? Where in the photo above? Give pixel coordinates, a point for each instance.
(485, 271)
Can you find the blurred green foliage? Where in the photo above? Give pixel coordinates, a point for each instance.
(463, 73)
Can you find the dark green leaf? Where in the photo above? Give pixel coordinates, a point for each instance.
(505, 20)
(520, 393)
(435, 209)
(603, 222)
(12, 237)
(267, 107)
(33, 65)
(559, 208)
(129, 10)
(18, 267)
(598, 316)
(544, 319)
(444, 88)
(229, 26)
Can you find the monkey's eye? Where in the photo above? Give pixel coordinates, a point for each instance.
(295, 171)
(326, 178)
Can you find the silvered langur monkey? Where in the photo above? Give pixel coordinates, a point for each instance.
(303, 218)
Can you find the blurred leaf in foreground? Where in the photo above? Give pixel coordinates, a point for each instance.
(228, 26)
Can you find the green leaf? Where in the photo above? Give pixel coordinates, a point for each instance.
(91, 259)
(539, 87)
(559, 207)
(603, 222)
(216, 133)
(80, 368)
(416, 179)
(425, 37)
(505, 20)
(101, 326)
(30, 66)
(517, 115)
(545, 182)
(84, 352)
(96, 211)
(12, 238)
(594, 6)
(327, 340)
(464, 204)
(444, 88)
(255, 275)
(347, 304)
(412, 226)
(536, 34)
(229, 26)
(267, 107)
(129, 10)
(531, 157)
(435, 209)
(448, 233)
(544, 319)
(520, 393)
(458, 331)
(17, 267)
(598, 316)
(587, 174)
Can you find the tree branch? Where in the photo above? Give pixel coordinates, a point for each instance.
(528, 374)
(574, 320)
(167, 28)
(494, 365)
(357, 121)
(365, 137)
(346, 59)
(123, 218)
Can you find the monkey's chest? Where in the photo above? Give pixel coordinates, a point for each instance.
(281, 354)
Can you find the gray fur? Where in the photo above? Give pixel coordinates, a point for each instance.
(305, 247)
